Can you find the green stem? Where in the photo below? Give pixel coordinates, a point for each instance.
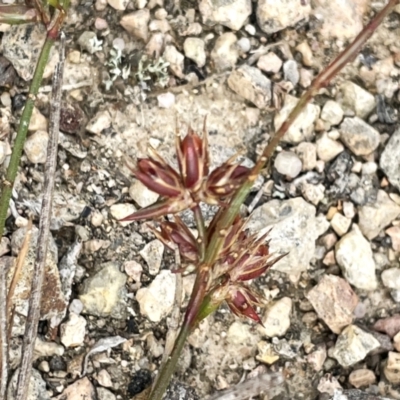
(15, 15)
(165, 374)
(201, 228)
(12, 169)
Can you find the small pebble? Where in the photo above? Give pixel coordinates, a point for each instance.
(392, 368)
(291, 72)
(362, 378)
(120, 211)
(152, 253)
(35, 147)
(166, 100)
(288, 164)
(194, 48)
(340, 224)
(100, 24)
(270, 62)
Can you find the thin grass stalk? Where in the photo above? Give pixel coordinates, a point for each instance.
(18, 146)
(44, 232)
(201, 229)
(228, 215)
(3, 335)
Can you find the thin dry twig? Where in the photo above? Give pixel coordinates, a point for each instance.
(173, 324)
(3, 335)
(20, 262)
(44, 225)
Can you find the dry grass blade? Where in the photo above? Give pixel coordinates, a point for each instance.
(3, 335)
(20, 262)
(44, 229)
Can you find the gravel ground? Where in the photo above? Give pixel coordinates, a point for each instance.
(331, 316)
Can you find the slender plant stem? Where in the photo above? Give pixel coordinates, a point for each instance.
(3, 334)
(229, 214)
(201, 228)
(12, 169)
(44, 232)
(166, 373)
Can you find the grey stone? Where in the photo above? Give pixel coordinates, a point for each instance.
(332, 112)
(295, 230)
(21, 45)
(353, 345)
(357, 99)
(251, 84)
(291, 72)
(36, 390)
(88, 41)
(373, 218)
(152, 253)
(104, 294)
(389, 161)
(391, 278)
(354, 255)
(358, 136)
(105, 394)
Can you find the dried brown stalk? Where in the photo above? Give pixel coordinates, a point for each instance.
(44, 230)
(3, 335)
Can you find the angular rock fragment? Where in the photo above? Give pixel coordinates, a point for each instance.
(251, 84)
(104, 294)
(373, 218)
(231, 13)
(358, 136)
(295, 230)
(354, 255)
(334, 301)
(275, 15)
(353, 345)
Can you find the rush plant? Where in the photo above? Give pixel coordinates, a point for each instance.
(225, 255)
